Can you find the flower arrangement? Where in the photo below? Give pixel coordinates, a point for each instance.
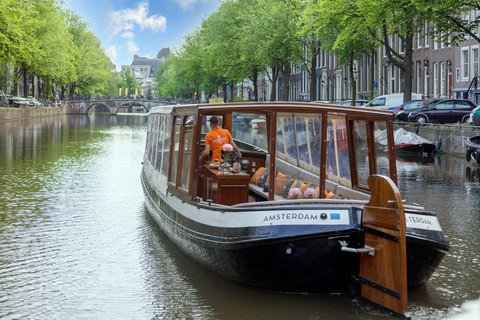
(310, 194)
(227, 151)
(294, 193)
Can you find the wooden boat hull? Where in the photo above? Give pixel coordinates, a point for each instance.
(290, 257)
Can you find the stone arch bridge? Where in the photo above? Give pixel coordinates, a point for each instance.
(82, 106)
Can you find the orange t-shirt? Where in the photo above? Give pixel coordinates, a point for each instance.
(216, 138)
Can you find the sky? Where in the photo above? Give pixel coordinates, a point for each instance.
(144, 27)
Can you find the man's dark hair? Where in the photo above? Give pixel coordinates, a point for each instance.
(214, 120)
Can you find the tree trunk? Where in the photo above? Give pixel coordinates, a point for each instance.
(255, 84)
(313, 77)
(274, 84)
(354, 84)
(407, 73)
(286, 80)
(224, 86)
(372, 72)
(25, 82)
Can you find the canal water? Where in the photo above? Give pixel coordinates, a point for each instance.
(77, 243)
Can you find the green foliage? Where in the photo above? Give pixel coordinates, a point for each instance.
(40, 38)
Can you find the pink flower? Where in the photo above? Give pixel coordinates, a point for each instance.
(227, 147)
(310, 193)
(294, 193)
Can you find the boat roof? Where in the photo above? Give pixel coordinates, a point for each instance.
(279, 106)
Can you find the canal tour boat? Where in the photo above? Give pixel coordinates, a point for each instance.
(314, 207)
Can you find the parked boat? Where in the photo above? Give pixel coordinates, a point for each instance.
(329, 220)
(406, 142)
(258, 123)
(472, 146)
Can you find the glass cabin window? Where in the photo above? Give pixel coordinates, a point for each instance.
(161, 132)
(176, 147)
(187, 153)
(153, 137)
(382, 161)
(315, 140)
(289, 136)
(338, 163)
(250, 128)
(166, 143)
(280, 143)
(361, 151)
(302, 140)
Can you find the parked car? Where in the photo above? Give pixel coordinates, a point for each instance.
(390, 100)
(17, 101)
(474, 117)
(402, 111)
(358, 102)
(33, 102)
(443, 111)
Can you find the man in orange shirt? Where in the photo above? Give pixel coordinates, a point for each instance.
(215, 140)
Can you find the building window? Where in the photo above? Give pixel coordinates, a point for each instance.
(475, 61)
(474, 18)
(401, 45)
(392, 42)
(419, 38)
(435, 79)
(464, 63)
(419, 76)
(442, 78)
(392, 79)
(427, 43)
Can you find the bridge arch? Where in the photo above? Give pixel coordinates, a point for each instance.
(113, 105)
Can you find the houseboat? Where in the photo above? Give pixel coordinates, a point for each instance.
(314, 209)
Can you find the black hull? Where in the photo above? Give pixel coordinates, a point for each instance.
(297, 259)
(423, 257)
(316, 265)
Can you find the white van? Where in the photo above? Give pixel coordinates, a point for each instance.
(390, 100)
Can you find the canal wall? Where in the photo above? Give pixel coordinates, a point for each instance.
(27, 113)
(452, 136)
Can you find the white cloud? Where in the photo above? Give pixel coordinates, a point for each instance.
(126, 20)
(132, 46)
(111, 52)
(128, 35)
(186, 4)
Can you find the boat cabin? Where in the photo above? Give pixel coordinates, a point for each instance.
(330, 149)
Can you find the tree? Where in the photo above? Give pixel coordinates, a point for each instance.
(386, 19)
(341, 29)
(53, 61)
(279, 40)
(449, 19)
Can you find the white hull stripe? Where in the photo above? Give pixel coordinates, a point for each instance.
(419, 221)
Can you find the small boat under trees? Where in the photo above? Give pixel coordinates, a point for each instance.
(314, 209)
